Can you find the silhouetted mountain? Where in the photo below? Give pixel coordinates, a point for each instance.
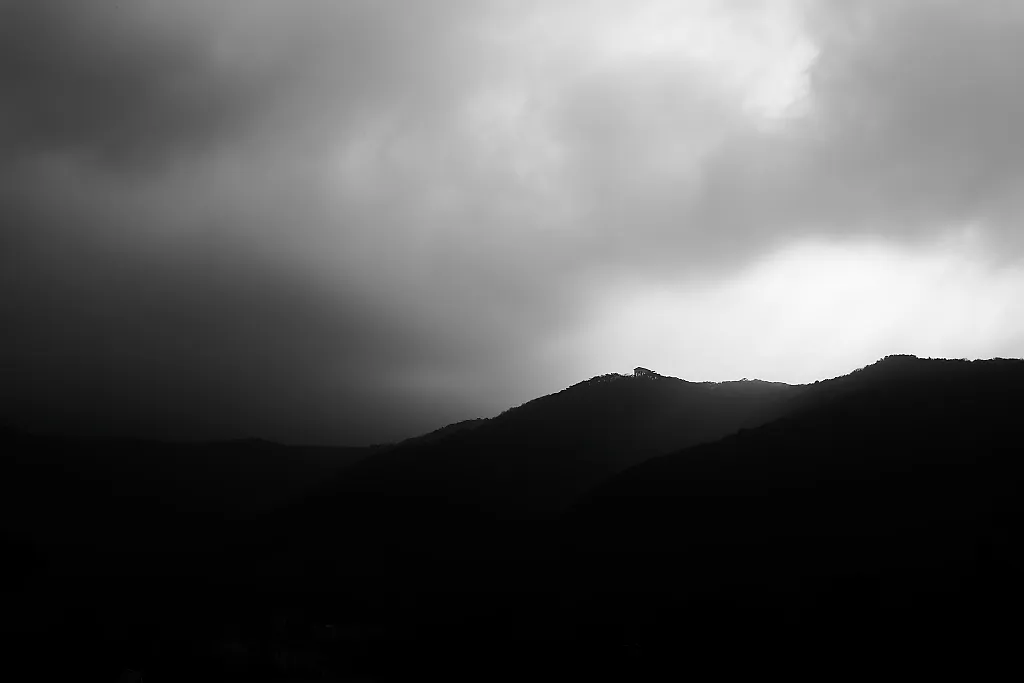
(549, 450)
(881, 506)
(119, 501)
(444, 432)
(892, 491)
(528, 463)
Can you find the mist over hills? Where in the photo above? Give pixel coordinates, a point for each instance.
(885, 501)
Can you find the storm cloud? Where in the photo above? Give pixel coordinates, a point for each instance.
(353, 221)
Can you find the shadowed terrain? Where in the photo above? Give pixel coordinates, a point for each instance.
(889, 504)
(524, 467)
(621, 522)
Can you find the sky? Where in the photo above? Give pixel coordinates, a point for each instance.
(352, 221)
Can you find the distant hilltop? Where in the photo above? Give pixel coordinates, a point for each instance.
(644, 372)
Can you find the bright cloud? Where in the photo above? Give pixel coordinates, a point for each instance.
(817, 309)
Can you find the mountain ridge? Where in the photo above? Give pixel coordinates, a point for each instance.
(904, 449)
(534, 458)
(881, 506)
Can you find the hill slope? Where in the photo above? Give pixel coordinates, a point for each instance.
(883, 502)
(115, 502)
(529, 463)
(898, 483)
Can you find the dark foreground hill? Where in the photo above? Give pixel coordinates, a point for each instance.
(110, 505)
(876, 512)
(532, 462)
(882, 510)
(890, 503)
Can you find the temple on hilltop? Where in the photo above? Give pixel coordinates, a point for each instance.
(644, 372)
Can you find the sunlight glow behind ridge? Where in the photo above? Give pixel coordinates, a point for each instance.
(816, 310)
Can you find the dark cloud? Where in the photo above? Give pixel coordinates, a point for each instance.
(354, 220)
(206, 341)
(113, 84)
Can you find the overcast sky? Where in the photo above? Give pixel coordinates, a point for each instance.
(349, 221)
